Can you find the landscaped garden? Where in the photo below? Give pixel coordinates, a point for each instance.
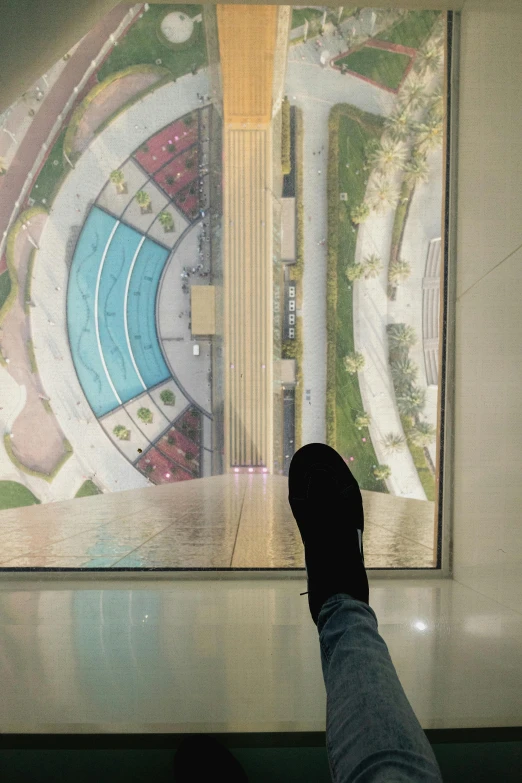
(87, 489)
(350, 131)
(160, 470)
(411, 30)
(357, 147)
(382, 67)
(15, 495)
(52, 173)
(179, 172)
(180, 449)
(5, 287)
(168, 143)
(175, 456)
(144, 43)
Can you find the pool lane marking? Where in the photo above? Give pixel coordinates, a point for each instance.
(125, 298)
(96, 310)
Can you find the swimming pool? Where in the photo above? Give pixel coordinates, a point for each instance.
(111, 304)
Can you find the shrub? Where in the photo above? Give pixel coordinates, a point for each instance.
(121, 432)
(168, 397)
(145, 415)
(285, 137)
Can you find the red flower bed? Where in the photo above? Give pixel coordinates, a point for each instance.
(191, 419)
(190, 207)
(158, 145)
(176, 451)
(180, 174)
(163, 471)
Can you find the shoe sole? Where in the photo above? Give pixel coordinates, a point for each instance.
(320, 455)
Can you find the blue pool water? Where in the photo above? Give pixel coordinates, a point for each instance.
(111, 313)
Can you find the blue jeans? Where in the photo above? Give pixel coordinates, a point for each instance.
(372, 733)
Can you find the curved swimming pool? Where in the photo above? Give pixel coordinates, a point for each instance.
(111, 312)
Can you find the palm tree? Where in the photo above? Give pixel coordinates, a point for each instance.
(117, 177)
(389, 155)
(393, 442)
(417, 169)
(166, 220)
(145, 415)
(423, 434)
(429, 57)
(436, 103)
(429, 134)
(122, 432)
(412, 401)
(413, 93)
(360, 213)
(354, 362)
(372, 266)
(383, 194)
(399, 124)
(143, 199)
(399, 270)
(382, 472)
(354, 272)
(363, 420)
(404, 372)
(401, 335)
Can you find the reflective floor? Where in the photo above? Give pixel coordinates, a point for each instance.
(221, 522)
(238, 656)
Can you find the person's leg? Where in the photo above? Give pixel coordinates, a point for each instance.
(372, 733)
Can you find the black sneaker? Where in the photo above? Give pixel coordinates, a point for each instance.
(327, 505)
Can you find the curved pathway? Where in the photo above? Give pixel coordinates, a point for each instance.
(107, 152)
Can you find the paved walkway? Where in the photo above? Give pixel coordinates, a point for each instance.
(107, 152)
(315, 90)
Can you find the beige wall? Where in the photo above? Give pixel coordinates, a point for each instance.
(488, 406)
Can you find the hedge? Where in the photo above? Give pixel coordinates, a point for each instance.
(9, 255)
(285, 137)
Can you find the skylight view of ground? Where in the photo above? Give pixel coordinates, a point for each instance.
(221, 238)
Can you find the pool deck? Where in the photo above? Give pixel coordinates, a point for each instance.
(108, 151)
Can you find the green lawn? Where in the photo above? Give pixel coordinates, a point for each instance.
(50, 177)
(15, 495)
(386, 68)
(5, 287)
(353, 137)
(300, 15)
(142, 44)
(412, 30)
(88, 488)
